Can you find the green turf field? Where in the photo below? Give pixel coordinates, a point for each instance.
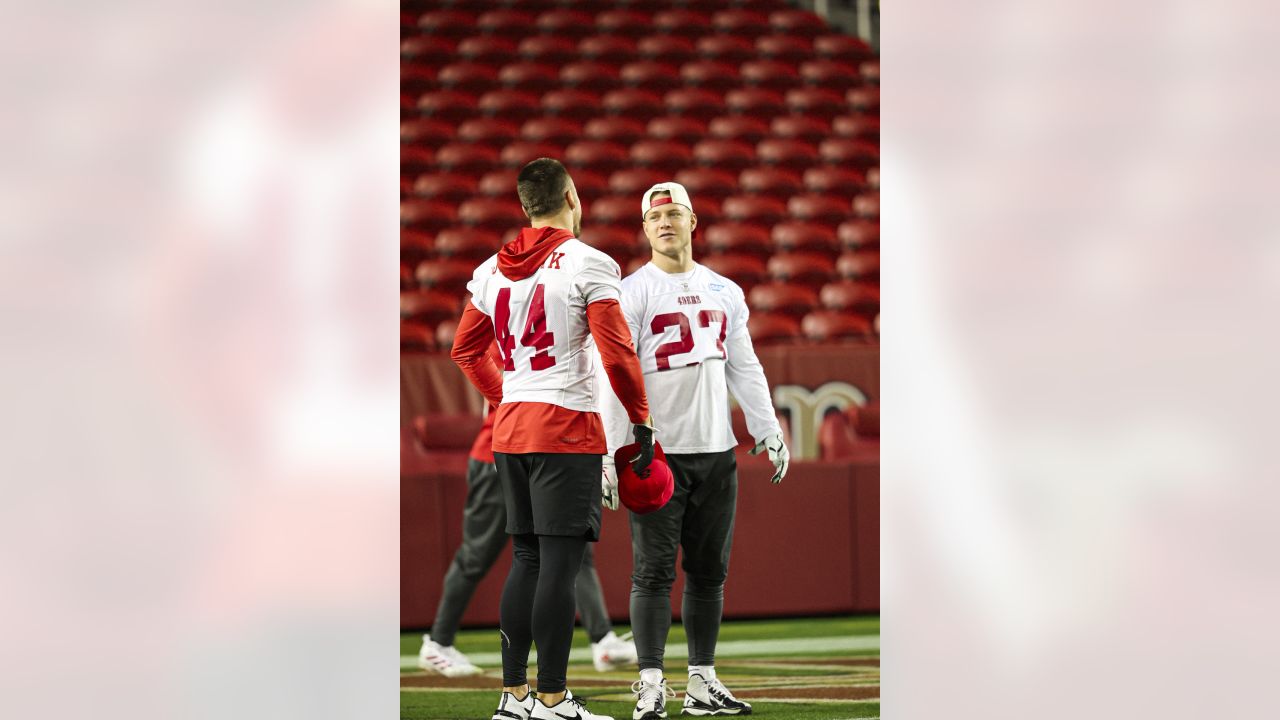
(794, 669)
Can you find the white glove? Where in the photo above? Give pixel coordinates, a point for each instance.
(778, 455)
(609, 484)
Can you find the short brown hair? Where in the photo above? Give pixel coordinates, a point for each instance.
(541, 185)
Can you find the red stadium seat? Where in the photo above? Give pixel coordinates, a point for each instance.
(505, 22)
(418, 77)
(738, 127)
(666, 156)
(590, 75)
(858, 234)
(529, 76)
(798, 236)
(828, 326)
(834, 180)
(426, 132)
(426, 214)
(818, 208)
(634, 181)
(498, 183)
(447, 23)
(493, 131)
(550, 49)
(566, 23)
(865, 419)
(416, 244)
(616, 210)
(591, 184)
(859, 265)
(867, 205)
(427, 49)
(842, 47)
(468, 77)
(612, 49)
(786, 152)
(472, 244)
(643, 73)
(666, 48)
(522, 152)
(416, 337)
(680, 22)
(818, 102)
(836, 438)
(623, 130)
(492, 214)
(447, 105)
(614, 241)
(446, 186)
(740, 23)
(831, 74)
(416, 158)
(428, 306)
(508, 103)
(709, 213)
(772, 328)
(620, 22)
(488, 50)
(863, 99)
(778, 182)
(726, 154)
(568, 103)
(810, 269)
(873, 178)
(800, 127)
(770, 74)
(559, 131)
(869, 70)
(675, 127)
(447, 276)
(726, 48)
(755, 102)
(597, 155)
(695, 102)
(793, 300)
(798, 22)
(853, 151)
(785, 48)
(634, 103)
(756, 209)
(705, 182)
(863, 126)
(711, 74)
(847, 296)
(733, 238)
(745, 270)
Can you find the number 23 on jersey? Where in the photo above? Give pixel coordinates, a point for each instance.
(686, 342)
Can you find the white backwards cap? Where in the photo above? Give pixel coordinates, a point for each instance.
(679, 196)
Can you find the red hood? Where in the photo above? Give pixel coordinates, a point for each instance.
(522, 257)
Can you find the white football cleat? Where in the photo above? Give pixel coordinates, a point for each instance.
(711, 697)
(651, 699)
(570, 708)
(613, 652)
(509, 708)
(445, 660)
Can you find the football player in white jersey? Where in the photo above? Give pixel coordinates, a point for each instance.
(548, 299)
(689, 325)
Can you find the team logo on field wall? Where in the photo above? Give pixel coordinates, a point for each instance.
(807, 407)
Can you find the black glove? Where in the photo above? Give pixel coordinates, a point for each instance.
(644, 436)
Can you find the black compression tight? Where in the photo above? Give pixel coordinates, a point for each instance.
(538, 607)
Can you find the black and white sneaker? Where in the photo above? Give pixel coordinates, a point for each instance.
(509, 708)
(711, 697)
(651, 699)
(570, 708)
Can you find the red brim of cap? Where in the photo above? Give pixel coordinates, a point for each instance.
(643, 495)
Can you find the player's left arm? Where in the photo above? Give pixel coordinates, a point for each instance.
(749, 386)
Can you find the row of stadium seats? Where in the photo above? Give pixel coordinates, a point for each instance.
(656, 17)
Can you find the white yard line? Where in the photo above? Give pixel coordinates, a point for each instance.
(727, 649)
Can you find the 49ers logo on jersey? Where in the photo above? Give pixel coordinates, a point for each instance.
(689, 300)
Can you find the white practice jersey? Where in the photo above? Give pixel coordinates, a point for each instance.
(690, 332)
(540, 324)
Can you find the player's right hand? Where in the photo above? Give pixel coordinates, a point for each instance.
(644, 436)
(609, 484)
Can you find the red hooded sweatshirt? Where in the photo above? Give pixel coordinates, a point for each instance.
(517, 260)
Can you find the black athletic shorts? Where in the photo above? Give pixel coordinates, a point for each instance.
(551, 493)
